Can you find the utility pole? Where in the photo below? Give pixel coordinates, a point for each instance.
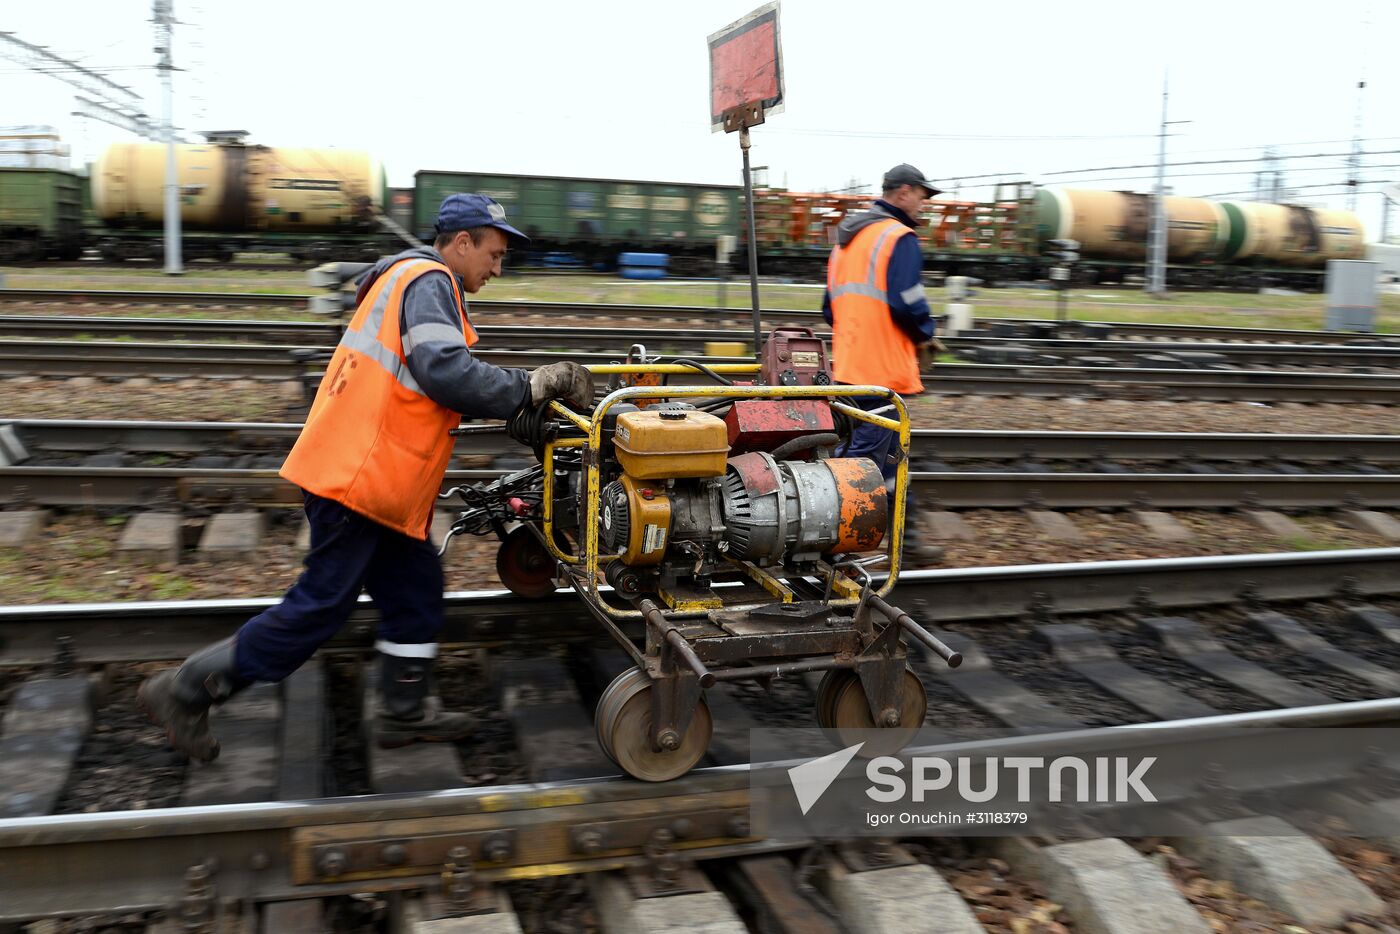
(1157, 241)
(1268, 181)
(163, 15)
(1354, 160)
(1157, 258)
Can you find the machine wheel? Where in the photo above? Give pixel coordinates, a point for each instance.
(623, 723)
(524, 565)
(842, 709)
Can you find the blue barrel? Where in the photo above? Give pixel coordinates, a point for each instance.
(641, 272)
(644, 259)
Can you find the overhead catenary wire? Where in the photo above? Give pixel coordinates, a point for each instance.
(1246, 161)
(961, 178)
(1129, 178)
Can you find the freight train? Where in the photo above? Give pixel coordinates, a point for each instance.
(321, 204)
(1209, 244)
(316, 204)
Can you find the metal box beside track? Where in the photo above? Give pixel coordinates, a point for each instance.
(1351, 295)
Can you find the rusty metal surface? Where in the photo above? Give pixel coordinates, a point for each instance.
(763, 424)
(864, 505)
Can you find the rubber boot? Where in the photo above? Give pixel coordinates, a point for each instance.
(918, 549)
(179, 699)
(410, 712)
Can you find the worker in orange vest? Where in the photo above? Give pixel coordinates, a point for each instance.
(877, 309)
(370, 461)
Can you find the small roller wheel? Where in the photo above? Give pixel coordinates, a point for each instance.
(842, 711)
(623, 724)
(524, 565)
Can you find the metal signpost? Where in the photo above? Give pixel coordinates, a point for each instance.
(746, 84)
(1065, 255)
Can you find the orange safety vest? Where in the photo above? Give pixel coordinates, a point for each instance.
(867, 346)
(374, 442)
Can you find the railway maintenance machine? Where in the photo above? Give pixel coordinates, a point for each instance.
(716, 534)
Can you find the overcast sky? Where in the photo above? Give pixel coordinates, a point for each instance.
(616, 88)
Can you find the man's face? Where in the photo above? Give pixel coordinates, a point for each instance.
(476, 263)
(911, 199)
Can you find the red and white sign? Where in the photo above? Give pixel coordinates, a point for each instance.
(746, 65)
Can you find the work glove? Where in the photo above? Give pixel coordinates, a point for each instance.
(928, 353)
(568, 381)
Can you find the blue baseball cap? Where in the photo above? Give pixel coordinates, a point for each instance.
(461, 211)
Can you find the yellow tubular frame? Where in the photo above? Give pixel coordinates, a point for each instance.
(589, 557)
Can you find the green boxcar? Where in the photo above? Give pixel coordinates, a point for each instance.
(592, 216)
(41, 214)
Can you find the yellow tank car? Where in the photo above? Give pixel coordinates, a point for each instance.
(1114, 225)
(1290, 234)
(233, 187)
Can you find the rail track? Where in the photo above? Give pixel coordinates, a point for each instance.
(74, 464)
(170, 360)
(1228, 452)
(1174, 353)
(1055, 655)
(994, 327)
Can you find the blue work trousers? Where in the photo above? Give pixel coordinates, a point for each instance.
(879, 444)
(348, 553)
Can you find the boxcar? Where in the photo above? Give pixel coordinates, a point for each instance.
(41, 214)
(594, 218)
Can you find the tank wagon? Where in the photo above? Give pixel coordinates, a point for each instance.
(1209, 243)
(594, 218)
(312, 203)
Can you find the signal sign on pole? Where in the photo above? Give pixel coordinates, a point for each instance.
(746, 67)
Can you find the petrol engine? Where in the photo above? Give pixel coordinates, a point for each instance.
(760, 486)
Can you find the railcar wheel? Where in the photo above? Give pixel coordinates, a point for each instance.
(842, 712)
(524, 565)
(623, 724)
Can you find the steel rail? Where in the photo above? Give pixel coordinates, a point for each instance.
(135, 631)
(174, 437)
(78, 487)
(153, 297)
(138, 860)
(325, 335)
(1166, 384)
(811, 316)
(65, 359)
(1238, 354)
(1167, 333)
(69, 327)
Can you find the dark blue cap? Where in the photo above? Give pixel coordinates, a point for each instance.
(461, 211)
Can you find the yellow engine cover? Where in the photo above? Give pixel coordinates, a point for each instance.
(671, 444)
(649, 512)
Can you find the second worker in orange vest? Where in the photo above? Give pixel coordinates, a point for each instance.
(370, 461)
(876, 307)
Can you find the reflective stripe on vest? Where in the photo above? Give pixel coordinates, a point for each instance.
(867, 346)
(374, 441)
(366, 340)
(870, 288)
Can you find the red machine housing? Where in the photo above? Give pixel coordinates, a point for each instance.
(794, 357)
(764, 424)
